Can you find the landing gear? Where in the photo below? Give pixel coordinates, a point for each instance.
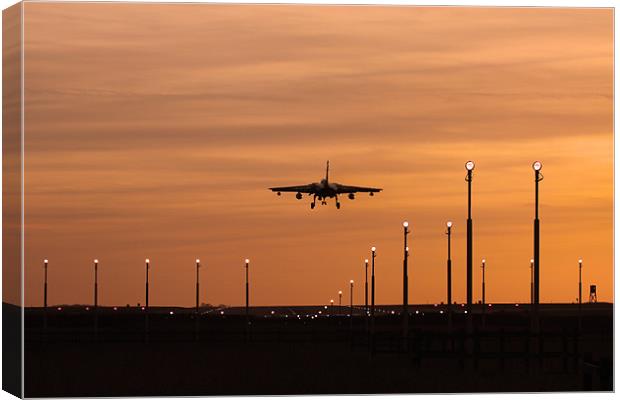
(313, 204)
(338, 205)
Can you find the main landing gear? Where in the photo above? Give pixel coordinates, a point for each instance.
(313, 204)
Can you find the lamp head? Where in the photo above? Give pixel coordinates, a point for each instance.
(197, 261)
(484, 260)
(537, 165)
(351, 281)
(340, 292)
(96, 261)
(247, 260)
(531, 260)
(580, 261)
(373, 249)
(407, 249)
(147, 260)
(366, 261)
(449, 224)
(405, 224)
(332, 301)
(45, 261)
(469, 165)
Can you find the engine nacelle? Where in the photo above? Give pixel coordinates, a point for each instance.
(298, 196)
(372, 194)
(352, 196)
(279, 194)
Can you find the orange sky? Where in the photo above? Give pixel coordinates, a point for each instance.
(154, 131)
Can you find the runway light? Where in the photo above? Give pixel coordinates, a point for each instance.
(272, 312)
(580, 261)
(469, 165)
(340, 292)
(366, 261)
(247, 260)
(171, 312)
(417, 312)
(441, 312)
(142, 308)
(537, 165)
(325, 307)
(490, 305)
(96, 261)
(59, 308)
(405, 224)
(517, 305)
(45, 261)
(221, 312)
(465, 311)
(197, 261)
(449, 224)
(147, 260)
(115, 308)
(484, 260)
(532, 260)
(351, 281)
(87, 308)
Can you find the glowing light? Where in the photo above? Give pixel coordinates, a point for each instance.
(197, 261)
(340, 292)
(272, 312)
(326, 307)
(532, 260)
(441, 312)
(221, 312)
(465, 311)
(407, 248)
(580, 261)
(373, 249)
(87, 308)
(449, 224)
(247, 260)
(469, 165)
(171, 312)
(142, 308)
(115, 308)
(45, 261)
(517, 305)
(351, 281)
(59, 308)
(405, 224)
(484, 261)
(366, 261)
(417, 312)
(537, 165)
(147, 260)
(96, 261)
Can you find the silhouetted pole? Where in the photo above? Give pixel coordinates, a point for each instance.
(372, 288)
(532, 281)
(469, 166)
(372, 300)
(405, 283)
(537, 166)
(146, 313)
(247, 291)
(147, 261)
(351, 298)
(45, 285)
(45, 295)
(95, 302)
(331, 307)
(580, 316)
(366, 287)
(197, 284)
(580, 265)
(340, 302)
(483, 266)
(449, 272)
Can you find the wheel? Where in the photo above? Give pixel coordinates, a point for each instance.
(312, 206)
(338, 205)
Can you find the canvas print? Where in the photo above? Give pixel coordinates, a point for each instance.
(234, 199)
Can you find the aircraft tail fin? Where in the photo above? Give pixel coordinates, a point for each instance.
(327, 172)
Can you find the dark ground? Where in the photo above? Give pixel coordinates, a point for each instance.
(286, 354)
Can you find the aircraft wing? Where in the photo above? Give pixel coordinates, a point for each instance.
(354, 189)
(298, 189)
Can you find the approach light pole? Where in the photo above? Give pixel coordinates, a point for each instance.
(339, 302)
(331, 307)
(351, 298)
(45, 285)
(536, 166)
(366, 287)
(95, 303)
(483, 266)
(247, 291)
(580, 265)
(147, 261)
(449, 265)
(197, 284)
(531, 281)
(405, 280)
(469, 166)
(372, 287)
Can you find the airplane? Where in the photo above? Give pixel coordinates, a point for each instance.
(324, 190)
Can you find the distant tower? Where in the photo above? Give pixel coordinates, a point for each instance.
(592, 293)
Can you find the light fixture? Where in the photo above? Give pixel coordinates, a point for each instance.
(405, 224)
(469, 165)
(537, 165)
(449, 224)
